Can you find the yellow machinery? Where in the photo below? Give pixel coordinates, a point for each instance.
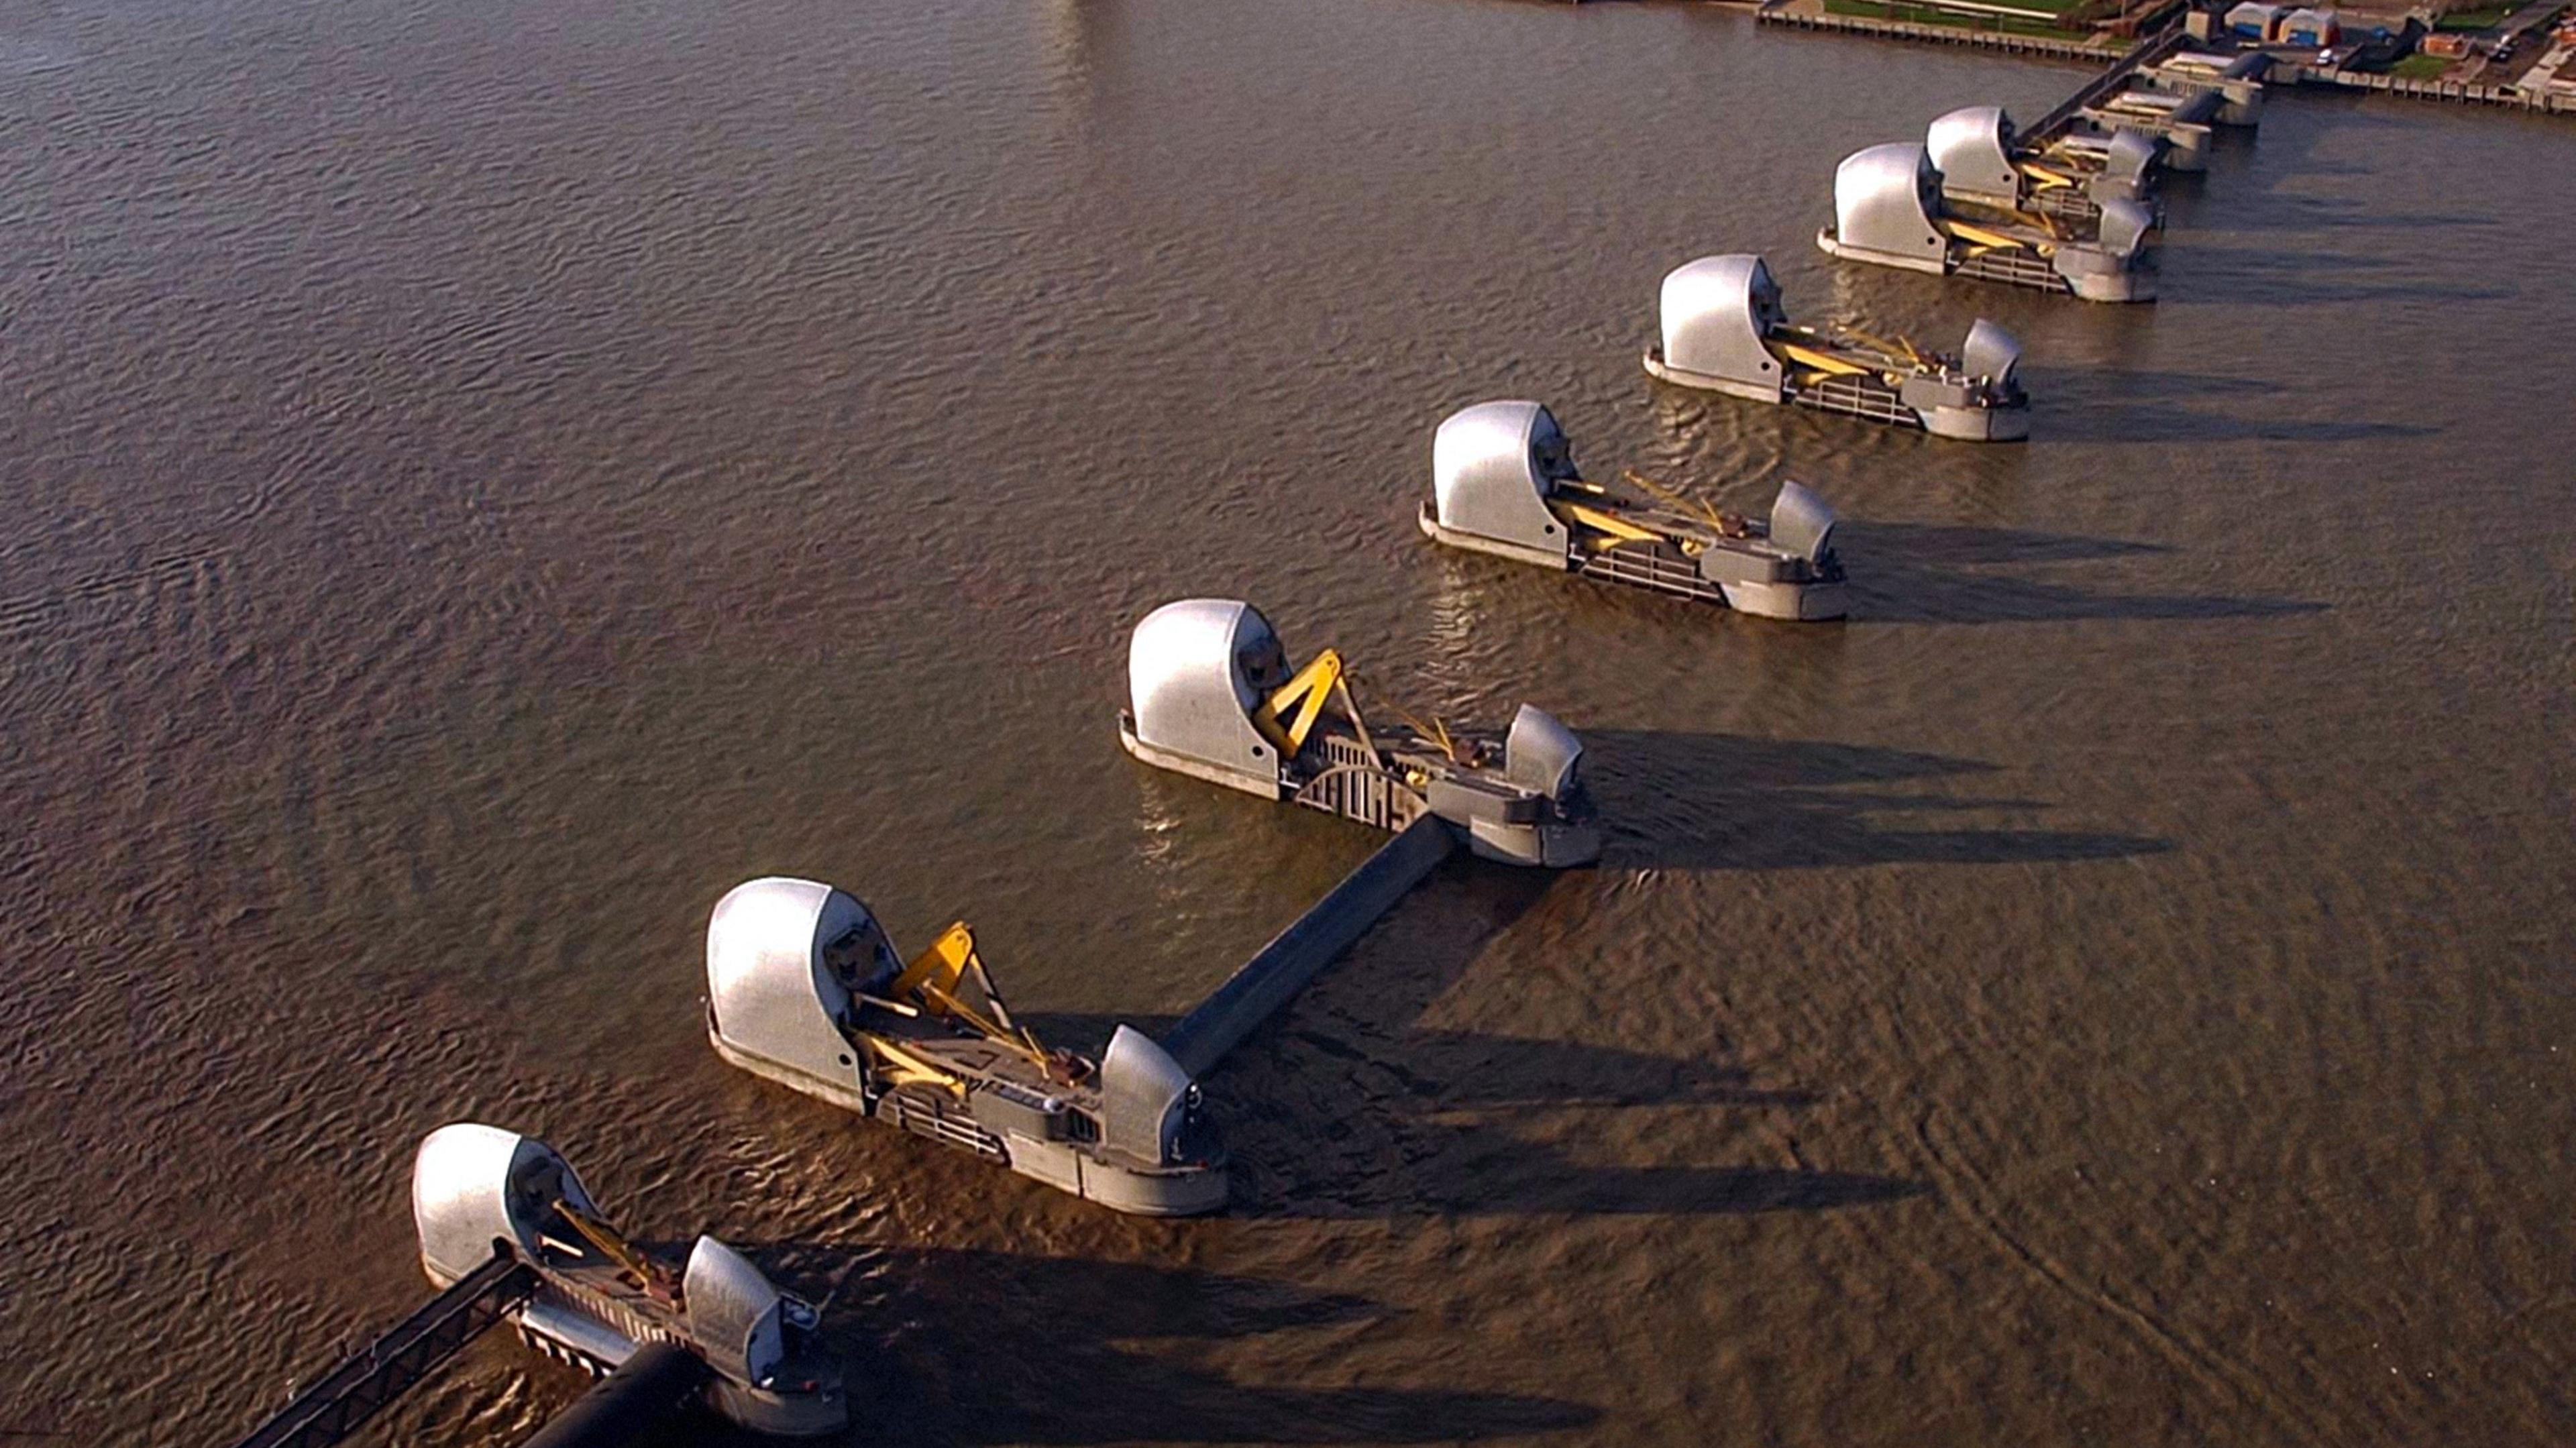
(658, 1281)
(927, 989)
(1725, 330)
(1315, 685)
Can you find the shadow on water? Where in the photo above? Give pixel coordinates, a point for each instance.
(1957, 545)
(2304, 277)
(986, 1347)
(1480, 1168)
(1456, 1066)
(1717, 802)
(1936, 573)
(1380, 1128)
(2105, 405)
(2284, 212)
(1344, 1108)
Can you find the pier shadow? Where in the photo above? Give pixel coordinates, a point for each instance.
(1964, 545)
(2103, 405)
(2287, 212)
(1344, 1108)
(1468, 1070)
(975, 1347)
(1938, 573)
(1451, 1168)
(1719, 802)
(2303, 277)
(1459, 1067)
(1359, 1112)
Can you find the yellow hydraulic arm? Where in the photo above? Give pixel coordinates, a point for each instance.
(1847, 352)
(1822, 361)
(1900, 348)
(909, 1068)
(1601, 521)
(1991, 240)
(932, 979)
(1620, 528)
(1306, 695)
(648, 1274)
(1727, 527)
(940, 965)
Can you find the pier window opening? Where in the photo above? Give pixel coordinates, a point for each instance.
(861, 960)
(1264, 664)
(1188, 1133)
(1552, 454)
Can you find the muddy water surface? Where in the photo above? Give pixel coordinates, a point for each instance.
(483, 481)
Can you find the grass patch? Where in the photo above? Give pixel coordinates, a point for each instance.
(2420, 67)
(1958, 20)
(2478, 19)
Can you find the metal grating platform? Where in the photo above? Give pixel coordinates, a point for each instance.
(1858, 397)
(2014, 268)
(346, 1397)
(1344, 779)
(1651, 567)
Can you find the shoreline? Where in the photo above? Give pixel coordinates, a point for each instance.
(1811, 15)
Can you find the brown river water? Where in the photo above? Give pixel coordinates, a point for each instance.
(482, 480)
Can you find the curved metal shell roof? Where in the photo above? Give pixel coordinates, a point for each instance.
(1991, 352)
(768, 983)
(1972, 149)
(2131, 154)
(2125, 225)
(1144, 1093)
(1196, 672)
(736, 1316)
(471, 1183)
(1492, 467)
(1884, 201)
(1541, 754)
(1801, 522)
(1715, 312)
